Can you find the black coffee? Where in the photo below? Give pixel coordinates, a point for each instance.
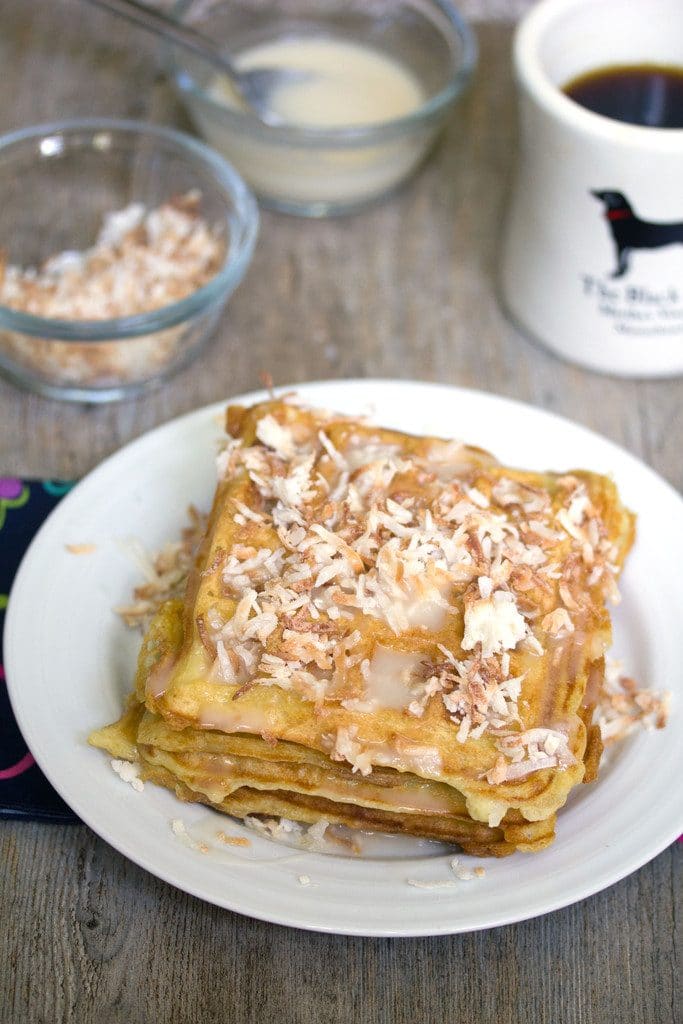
(645, 94)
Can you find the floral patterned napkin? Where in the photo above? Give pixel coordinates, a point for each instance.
(24, 790)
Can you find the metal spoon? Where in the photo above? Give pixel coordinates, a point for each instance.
(254, 87)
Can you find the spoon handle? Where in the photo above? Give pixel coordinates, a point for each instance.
(174, 31)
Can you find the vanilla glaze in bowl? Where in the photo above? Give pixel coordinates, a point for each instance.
(423, 54)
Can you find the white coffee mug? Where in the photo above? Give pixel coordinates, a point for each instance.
(572, 276)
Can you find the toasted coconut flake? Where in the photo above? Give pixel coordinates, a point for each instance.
(498, 774)
(623, 707)
(81, 549)
(530, 751)
(209, 645)
(494, 623)
(333, 453)
(558, 623)
(248, 513)
(292, 833)
(228, 840)
(179, 830)
(462, 873)
(217, 562)
(275, 436)
(347, 747)
(165, 572)
(128, 771)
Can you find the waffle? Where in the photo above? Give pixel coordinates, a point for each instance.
(384, 631)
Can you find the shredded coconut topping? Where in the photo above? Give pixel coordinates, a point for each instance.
(347, 747)
(529, 751)
(623, 706)
(164, 572)
(179, 830)
(495, 623)
(478, 693)
(81, 549)
(275, 436)
(141, 260)
(462, 873)
(128, 772)
(291, 833)
(558, 622)
(425, 540)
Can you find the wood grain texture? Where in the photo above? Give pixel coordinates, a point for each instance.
(408, 290)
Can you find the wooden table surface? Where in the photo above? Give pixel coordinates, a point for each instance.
(406, 289)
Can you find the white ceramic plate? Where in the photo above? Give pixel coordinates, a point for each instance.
(70, 660)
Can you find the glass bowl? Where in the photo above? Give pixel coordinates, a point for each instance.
(57, 182)
(315, 171)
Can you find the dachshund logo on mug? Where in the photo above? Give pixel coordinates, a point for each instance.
(629, 232)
